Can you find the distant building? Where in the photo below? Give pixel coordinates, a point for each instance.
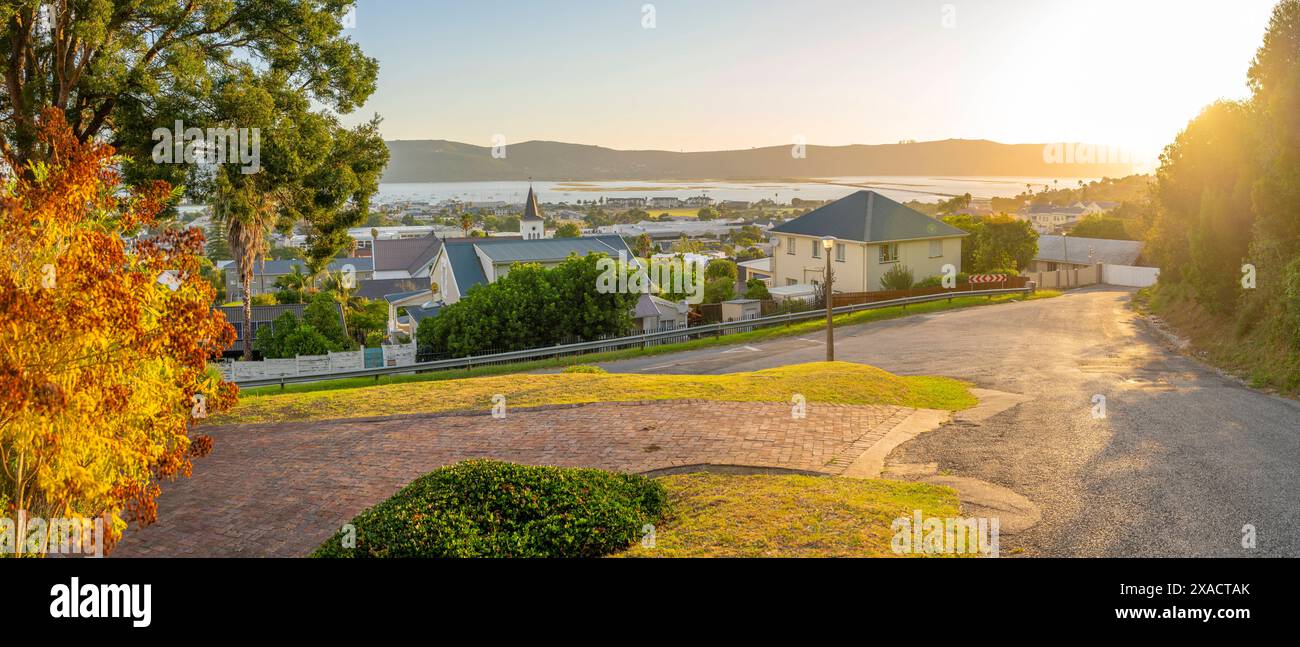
(625, 203)
(699, 201)
(665, 203)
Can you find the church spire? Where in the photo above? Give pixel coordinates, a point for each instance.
(531, 210)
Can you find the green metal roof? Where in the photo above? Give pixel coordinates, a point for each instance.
(868, 217)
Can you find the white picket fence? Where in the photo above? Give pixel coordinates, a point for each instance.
(355, 360)
(1129, 275)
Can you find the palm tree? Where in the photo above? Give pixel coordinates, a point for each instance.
(466, 221)
(295, 281)
(345, 293)
(246, 235)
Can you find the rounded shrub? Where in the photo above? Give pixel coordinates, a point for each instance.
(484, 508)
(583, 368)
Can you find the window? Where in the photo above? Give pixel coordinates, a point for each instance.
(789, 246)
(889, 253)
(817, 248)
(791, 282)
(936, 248)
(839, 252)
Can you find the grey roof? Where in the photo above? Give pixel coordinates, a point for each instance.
(399, 296)
(468, 272)
(379, 288)
(276, 268)
(409, 254)
(550, 249)
(868, 217)
(1114, 252)
(531, 210)
(649, 305)
(419, 313)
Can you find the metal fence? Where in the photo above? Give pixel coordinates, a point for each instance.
(646, 340)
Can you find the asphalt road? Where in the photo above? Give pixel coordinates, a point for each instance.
(1182, 461)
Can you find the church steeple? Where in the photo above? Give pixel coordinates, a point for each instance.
(532, 225)
(531, 210)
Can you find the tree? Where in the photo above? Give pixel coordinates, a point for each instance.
(567, 230)
(271, 343)
(707, 213)
(644, 246)
(1100, 226)
(103, 347)
(720, 268)
(1003, 242)
(115, 68)
(530, 306)
(292, 287)
(756, 289)
(217, 248)
(322, 314)
(367, 320)
(719, 290)
(466, 221)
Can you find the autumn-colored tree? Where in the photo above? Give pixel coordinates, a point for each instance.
(103, 344)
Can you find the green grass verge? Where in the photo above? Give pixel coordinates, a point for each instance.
(830, 382)
(717, 515)
(801, 328)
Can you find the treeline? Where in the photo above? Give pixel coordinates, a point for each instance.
(1226, 233)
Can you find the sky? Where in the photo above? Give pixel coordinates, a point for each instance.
(699, 75)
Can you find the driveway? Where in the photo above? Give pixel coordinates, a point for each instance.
(280, 490)
(1183, 459)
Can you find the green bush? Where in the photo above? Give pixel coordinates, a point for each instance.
(485, 508)
(898, 277)
(583, 368)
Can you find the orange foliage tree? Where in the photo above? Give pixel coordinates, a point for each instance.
(103, 342)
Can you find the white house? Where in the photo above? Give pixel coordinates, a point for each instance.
(873, 234)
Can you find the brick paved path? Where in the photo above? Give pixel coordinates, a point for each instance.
(282, 489)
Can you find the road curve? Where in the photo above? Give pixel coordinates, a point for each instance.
(1183, 460)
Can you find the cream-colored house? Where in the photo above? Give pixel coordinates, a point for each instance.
(873, 234)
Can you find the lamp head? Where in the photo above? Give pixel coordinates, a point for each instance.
(828, 242)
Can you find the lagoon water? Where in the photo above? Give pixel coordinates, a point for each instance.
(901, 188)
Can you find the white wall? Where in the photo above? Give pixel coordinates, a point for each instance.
(1129, 275)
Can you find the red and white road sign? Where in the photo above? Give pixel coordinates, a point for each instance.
(988, 278)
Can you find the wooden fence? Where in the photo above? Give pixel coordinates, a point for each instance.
(856, 298)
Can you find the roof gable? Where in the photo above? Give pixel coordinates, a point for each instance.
(867, 216)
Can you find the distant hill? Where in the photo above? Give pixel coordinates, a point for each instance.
(446, 161)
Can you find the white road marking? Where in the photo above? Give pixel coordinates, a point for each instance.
(742, 349)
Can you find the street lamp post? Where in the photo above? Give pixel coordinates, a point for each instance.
(828, 244)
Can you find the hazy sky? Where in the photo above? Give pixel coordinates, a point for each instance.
(722, 74)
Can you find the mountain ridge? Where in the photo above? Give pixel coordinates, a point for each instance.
(437, 160)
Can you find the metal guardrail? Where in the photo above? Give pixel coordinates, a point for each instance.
(618, 343)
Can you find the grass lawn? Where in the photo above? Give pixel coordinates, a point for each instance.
(718, 515)
(834, 382)
(802, 328)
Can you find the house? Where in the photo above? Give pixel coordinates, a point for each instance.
(462, 264)
(873, 234)
(759, 268)
(1070, 252)
(1049, 218)
(665, 203)
(653, 314)
(735, 205)
(699, 201)
(265, 274)
(262, 318)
